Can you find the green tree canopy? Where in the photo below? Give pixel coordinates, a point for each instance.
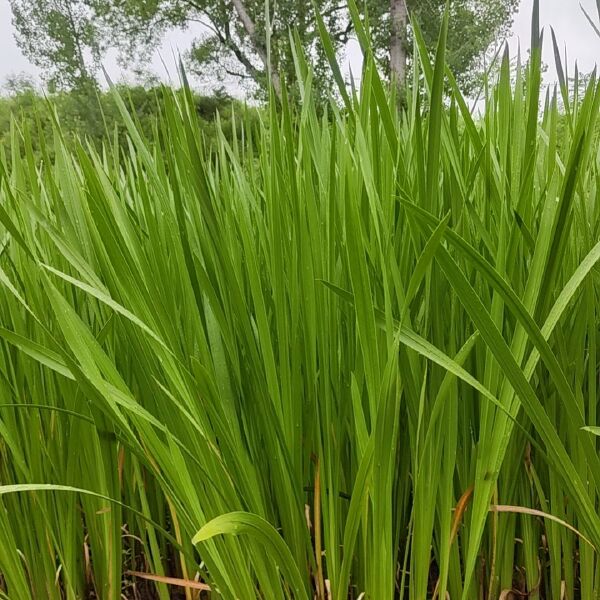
(476, 26)
(62, 37)
(65, 37)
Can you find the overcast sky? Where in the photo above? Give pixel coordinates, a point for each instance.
(571, 27)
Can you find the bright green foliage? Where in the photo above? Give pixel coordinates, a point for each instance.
(290, 361)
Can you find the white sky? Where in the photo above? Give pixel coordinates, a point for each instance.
(572, 30)
(571, 27)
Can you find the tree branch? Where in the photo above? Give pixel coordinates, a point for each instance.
(227, 40)
(259, 47)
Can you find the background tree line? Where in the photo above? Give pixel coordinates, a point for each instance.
(237, 40)
(68, 38)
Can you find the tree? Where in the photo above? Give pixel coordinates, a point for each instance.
(475, 25)
(60, 37)
(65, 37)
(236, 42)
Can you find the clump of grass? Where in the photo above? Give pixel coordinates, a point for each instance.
(343, 354)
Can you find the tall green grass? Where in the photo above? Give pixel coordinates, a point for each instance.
(348, 355)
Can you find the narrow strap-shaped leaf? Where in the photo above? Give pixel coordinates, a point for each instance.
(243, 523)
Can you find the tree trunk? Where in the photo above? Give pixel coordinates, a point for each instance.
(84, 76)
(398, 57)
(259, 46)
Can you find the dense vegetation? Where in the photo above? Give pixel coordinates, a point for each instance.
(352, 355)
(92, 114)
